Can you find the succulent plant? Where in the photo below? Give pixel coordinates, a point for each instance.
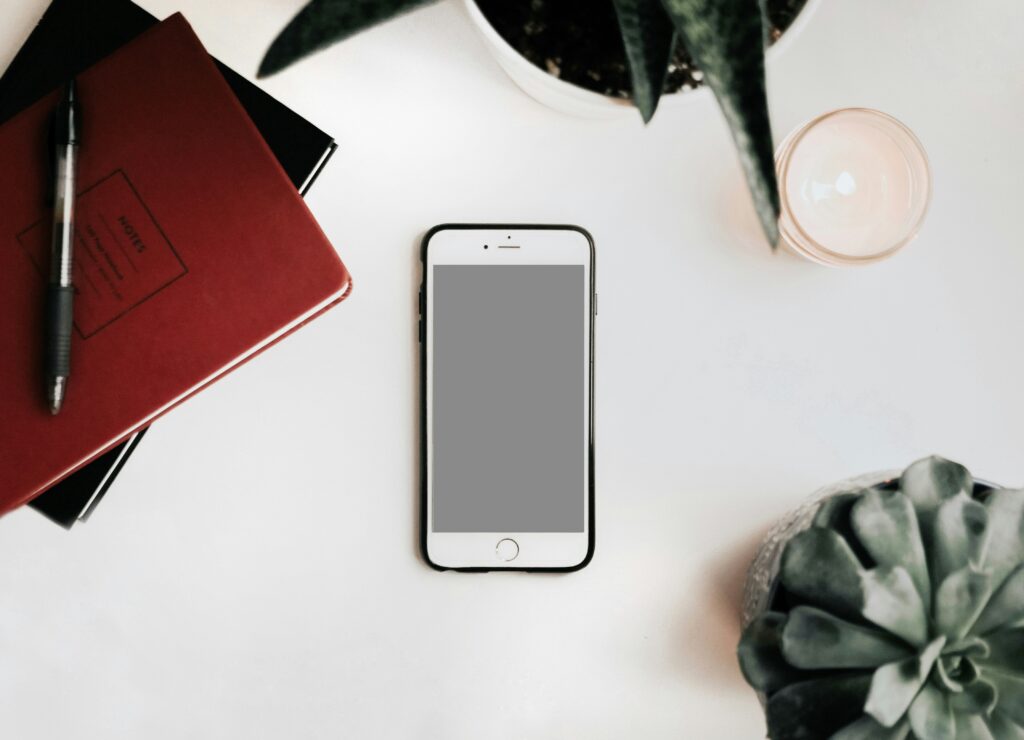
(899, 613)
(725, 37)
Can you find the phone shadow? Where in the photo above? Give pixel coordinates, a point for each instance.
(416, 429)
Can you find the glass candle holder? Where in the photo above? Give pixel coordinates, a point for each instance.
(854, 186)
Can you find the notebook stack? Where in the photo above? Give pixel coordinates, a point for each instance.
(189, 207)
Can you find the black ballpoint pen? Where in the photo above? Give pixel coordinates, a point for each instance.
(60, 294)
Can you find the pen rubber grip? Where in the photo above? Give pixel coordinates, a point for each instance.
(59, 322)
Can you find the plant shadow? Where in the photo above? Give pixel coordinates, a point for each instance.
(712, 620)
(415, 436)
(736, 211)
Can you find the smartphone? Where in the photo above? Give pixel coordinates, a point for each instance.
(507, 377)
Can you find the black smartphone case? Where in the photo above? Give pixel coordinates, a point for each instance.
(425, 245)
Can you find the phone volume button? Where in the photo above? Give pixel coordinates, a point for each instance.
(419, 331)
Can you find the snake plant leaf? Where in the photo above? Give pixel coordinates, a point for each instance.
(1011, 694)
(1006, 651)
(959, 601)
(931, 716)
(819, 567)
(1006, 606)
(894, 686)
(972, 727)
(1004, 728)
(813, 639)
(867, 728)
(1006, 535)
(928, 483)
(726, 38)
(978, 697)
(886, 525)
(760, 654)
(816, 708)
(649, 36)
(323, 22)
(961, 536)
(891, 601)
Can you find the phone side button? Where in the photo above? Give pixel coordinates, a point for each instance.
(507, 549)
(419, 331)
(596, 296)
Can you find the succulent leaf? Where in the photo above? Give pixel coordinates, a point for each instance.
(323, 22)
(1003, 728)
(1006, 650)
(931, 716)
(834, 512)
(726, 38)
(814, 639)
(959, 601)
(867, 728)
(929, 483)
(819, 566)
(1006, 533)
(948, 666)
(649, 36)
(885, 523)
(933, 480)
(961, 536)
(979, 697)
(972, 727)
(894, 686)
(948, 674)
(971, 646)
(816, 708)
(1006, 606)
(760, 654)
(892, 601)
(1011, 694)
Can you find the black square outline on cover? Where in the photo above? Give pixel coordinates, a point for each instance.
(159, 228)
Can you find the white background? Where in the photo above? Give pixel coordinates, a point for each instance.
(254, 571)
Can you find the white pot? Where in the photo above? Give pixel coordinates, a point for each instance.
(568, 98)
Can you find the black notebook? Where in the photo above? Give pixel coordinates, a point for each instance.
(72, 36)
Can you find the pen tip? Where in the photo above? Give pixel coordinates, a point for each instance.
(56, 394)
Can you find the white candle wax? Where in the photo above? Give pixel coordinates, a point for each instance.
(855, 186)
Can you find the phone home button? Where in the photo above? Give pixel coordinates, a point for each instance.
(507, 549)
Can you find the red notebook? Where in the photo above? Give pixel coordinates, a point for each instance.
(193, 252)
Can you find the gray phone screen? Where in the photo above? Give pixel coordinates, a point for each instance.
(509, 400)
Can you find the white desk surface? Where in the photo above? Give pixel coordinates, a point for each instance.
(254, 573)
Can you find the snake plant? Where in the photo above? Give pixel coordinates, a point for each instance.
(726, 38)
(899, 614)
